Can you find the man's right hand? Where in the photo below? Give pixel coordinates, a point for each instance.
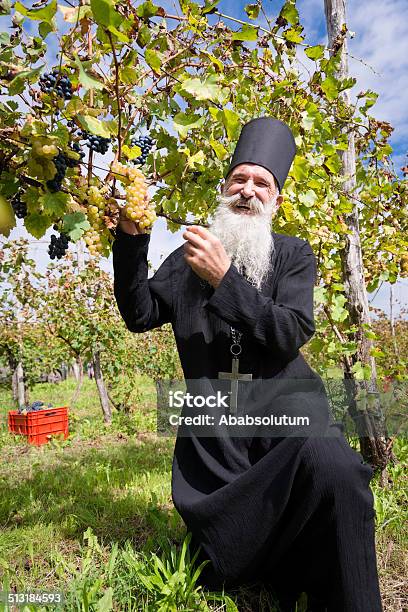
(127, 225)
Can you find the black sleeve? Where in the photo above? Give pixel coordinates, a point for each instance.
(282, 325)
(143, 303)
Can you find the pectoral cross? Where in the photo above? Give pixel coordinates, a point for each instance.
(234, 377)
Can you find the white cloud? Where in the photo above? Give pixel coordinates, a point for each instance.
(382, 41)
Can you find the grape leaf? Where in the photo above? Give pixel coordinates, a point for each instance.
(219, 149)
(197, 158)
(347, 83)
(290, 12)
(183, 122)
(9, 184)
(315, 53)
(45, 28)
(217, 62)
(329, 86)
(31, 196)
(55, 203)
(252, 10)
(105, 14)
(293, 35)
(371, 98)
(144, 36)
(62, 133)
(119, 35)
(148, 9)
(248, 32)
(131, 152)
(75, 224)
(308, 198)
(75, 106)
(129, 75)
(203, 90)
(72, 15)
(85, 79)
(287, 208)
(231, 121)
(94, 126)
(46, 13)
(308, 120)
(154, 59)
(333, 162)
(210, 6)
(17, 85)
(299, 169)
(37, 224)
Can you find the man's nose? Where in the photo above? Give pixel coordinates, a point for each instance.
(248, 189)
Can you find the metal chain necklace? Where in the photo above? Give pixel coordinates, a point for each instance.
(234, 376)
(236, 348)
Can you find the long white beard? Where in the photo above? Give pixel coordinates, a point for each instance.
(246, 238)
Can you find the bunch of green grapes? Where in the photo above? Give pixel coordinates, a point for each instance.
(137, 208)
(96, 209)
(96, 205)
(44, 150)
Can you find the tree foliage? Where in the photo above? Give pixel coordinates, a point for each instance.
(192, 80)
(66, 314)
(22, 339)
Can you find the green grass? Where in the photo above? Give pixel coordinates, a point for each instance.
(92, 516)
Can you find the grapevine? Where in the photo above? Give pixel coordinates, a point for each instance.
(137, 207)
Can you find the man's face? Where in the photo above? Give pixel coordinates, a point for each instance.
(250, 180)
(243, 218)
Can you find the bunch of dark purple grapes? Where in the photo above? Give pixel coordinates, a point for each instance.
(99, 144)
(71, 163)
(19, 207)
(58, 246)
(145, 143)
(55, 82)
(60, 163)
(34, 407)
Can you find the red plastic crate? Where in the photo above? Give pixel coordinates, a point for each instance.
(41, 425)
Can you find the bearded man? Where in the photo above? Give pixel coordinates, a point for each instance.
(292, 509)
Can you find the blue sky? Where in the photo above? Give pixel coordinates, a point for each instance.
(381, 41)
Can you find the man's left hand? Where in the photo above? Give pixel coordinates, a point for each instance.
(205, 254)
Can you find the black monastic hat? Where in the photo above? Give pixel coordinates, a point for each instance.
(267, 142)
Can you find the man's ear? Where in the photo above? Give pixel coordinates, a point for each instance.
(279, 200)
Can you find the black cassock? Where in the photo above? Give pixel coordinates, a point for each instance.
(294, 511)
